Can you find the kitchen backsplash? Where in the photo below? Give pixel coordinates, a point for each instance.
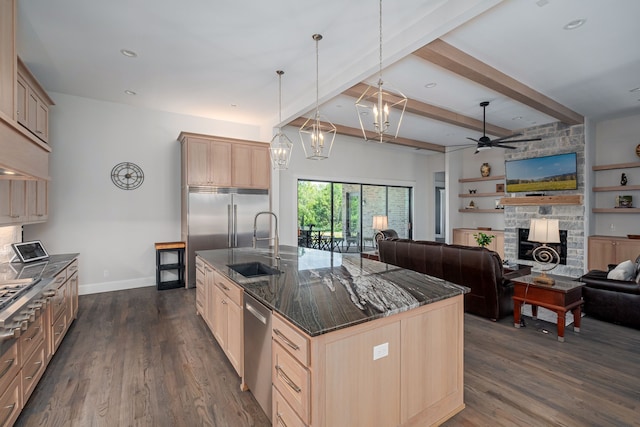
(9, 235)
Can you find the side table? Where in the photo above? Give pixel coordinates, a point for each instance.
(178, 266)
(564, 296)
(370, 255)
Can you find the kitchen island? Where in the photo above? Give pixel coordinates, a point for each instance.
(355, 341)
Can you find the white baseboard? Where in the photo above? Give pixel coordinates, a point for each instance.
(96, 288)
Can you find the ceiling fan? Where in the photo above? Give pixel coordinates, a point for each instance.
(485, 143)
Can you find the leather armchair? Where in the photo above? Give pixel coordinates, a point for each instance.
(615, 301)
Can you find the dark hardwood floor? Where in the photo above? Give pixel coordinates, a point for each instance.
(144, 358)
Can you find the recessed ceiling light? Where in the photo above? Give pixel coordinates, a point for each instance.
(234, 105)
(364, 113)
(128, 53)
(635, 89)
(517, 118)
(130, 92)
(430, 85)
(575, 24)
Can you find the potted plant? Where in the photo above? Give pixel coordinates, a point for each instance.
(483, 239)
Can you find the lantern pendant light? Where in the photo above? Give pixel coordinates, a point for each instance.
(317, 133)
(281, 146)
(380, 111)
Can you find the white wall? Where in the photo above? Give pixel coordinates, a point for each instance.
(616, 140)
(354, 160)
(115, 230)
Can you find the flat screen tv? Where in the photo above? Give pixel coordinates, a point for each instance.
(549, 173)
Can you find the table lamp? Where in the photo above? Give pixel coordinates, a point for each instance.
(545, 231)
(380, 222)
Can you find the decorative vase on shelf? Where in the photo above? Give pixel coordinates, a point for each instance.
(485, 170)
(623, 179)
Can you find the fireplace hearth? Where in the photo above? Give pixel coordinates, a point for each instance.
(525, 247)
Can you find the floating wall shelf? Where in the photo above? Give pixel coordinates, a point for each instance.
(617, 166)
(570, 199)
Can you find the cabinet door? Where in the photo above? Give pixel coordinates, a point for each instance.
(242, 164)
(220, 163)
(5, 202)
(235, 335)
(209, 300)
(21, 101)
(260, 167)
(13, 201)
(627, 249)
(460, 237)
(602, 252)
(37, 200)
(197, 161)
(32, 110)
(42, 121)
(219, 327)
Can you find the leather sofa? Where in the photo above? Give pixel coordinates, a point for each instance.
(477, 268)
(616, 301)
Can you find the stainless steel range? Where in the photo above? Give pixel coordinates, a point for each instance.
(22, 301)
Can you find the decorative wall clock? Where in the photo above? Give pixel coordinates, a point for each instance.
(127, 176)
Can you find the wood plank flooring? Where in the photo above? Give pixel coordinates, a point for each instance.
(144, 358)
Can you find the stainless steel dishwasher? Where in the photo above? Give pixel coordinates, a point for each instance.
(257, 351)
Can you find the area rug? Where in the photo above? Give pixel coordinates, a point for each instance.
(548, 315)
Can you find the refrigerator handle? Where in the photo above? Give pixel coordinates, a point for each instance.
(229, 225)
(235, 226)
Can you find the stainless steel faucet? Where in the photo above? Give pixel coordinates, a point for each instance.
(276, 239)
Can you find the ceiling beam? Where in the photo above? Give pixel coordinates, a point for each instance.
(457, 61)
(436, 113)
(357, 132)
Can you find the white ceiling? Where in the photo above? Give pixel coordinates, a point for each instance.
(218, 59)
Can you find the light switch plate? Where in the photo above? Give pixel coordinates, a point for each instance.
(380, 351)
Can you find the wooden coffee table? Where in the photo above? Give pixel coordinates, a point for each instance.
(564, 296)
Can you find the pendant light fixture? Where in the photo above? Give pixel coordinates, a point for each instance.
(317, 134)
(281, 146)
(380, 111)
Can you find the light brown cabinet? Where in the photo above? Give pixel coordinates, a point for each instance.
(605, 250)
(464, 236)
(224, 162)
(32, 103)
(221, 301)
(13, 201)
(7, 56)
(37, 201)
(228, 320)
(410, 364)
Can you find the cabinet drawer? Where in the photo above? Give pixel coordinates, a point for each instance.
(8, 367)
(59, 302)
(292, 340)
(10, 403)
(32, 370)
(199, 264)
(58, 330)
(292, 381)
(231, 290)
(72, 268)
(59, 279)
(31, 338)
(283, 414)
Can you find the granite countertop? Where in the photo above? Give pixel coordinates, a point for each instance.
(321, 291)
(44, 269)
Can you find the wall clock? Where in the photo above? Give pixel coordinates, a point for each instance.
(127, 176)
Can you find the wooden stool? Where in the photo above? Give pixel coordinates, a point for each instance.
(178, 248)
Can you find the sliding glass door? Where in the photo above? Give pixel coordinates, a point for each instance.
(339, 216)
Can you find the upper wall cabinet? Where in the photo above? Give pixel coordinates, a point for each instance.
(7, 57)
(32, 104)
(224, 162)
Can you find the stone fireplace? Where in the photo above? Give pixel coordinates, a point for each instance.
(556, 138)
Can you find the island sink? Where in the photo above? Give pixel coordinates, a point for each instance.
(253, 269)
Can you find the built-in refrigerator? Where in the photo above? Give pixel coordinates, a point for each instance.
(219, 218)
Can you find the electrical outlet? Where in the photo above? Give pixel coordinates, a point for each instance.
(380, 351)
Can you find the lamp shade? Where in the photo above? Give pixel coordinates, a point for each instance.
(544, 230)
(380, 222)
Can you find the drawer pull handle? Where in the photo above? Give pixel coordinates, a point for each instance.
(287, 380)
(10, 408)
(281, 421)
(30, 377)
(223, 286)
(9, 365)
(286, 340)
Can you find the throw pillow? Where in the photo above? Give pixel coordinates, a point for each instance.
(624, 271)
